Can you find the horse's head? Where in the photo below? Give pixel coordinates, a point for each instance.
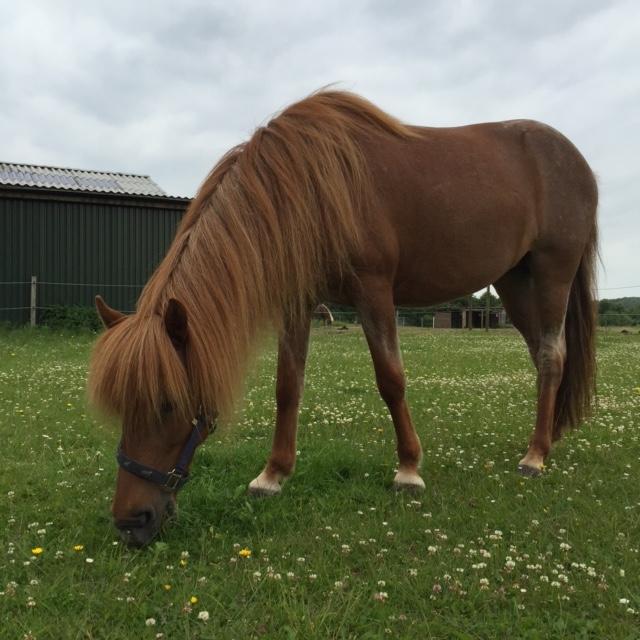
(139, 372)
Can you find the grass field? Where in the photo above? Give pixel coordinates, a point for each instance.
(483, 553)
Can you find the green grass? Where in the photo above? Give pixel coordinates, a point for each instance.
(338, 535)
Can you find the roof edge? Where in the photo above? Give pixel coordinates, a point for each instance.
(58, 168)
(42, 193)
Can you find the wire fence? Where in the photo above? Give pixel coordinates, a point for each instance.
(29, 298)
(30, 301)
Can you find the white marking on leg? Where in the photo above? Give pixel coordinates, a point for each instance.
(266, 485)
(408, 479)
(533, 460)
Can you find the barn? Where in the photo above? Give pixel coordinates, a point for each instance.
(68, 234)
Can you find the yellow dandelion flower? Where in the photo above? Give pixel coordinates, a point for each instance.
(78, 547)
(244, 553)
(193, 600)
(36, 551)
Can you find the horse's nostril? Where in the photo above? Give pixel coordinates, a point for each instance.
(145, 517)
(137, 520)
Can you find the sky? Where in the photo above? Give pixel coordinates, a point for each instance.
(165, 88)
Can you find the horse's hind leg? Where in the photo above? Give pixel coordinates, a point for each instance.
(516, 292)
(292, 355)
(535, 296)
(377, 313)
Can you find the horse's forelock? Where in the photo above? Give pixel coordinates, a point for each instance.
(135, 370)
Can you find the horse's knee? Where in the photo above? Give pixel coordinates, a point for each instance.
(392, 386)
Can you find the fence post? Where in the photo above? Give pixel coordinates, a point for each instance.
(34, 286)
(488, 305)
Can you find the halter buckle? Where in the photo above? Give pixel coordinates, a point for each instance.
(173, 480)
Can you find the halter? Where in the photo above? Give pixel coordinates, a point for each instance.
(178, 476)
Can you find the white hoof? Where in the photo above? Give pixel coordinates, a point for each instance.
(264, 485)
(531, 465)
(408, 480)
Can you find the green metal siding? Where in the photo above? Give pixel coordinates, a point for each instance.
(102, 243)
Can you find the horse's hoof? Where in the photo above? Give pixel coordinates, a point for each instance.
(261, 492)
(264, 487)
(408, 481)
(528, 471)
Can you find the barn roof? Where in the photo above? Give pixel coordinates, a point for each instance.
(35, 176)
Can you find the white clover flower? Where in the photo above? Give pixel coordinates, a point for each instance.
(203, 615)
(150, 622)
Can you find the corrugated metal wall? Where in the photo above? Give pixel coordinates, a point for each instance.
(104, 243)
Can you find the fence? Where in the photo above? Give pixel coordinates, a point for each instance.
(26, 299)
(34, 296)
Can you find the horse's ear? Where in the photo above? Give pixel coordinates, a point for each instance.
(108, 315)
(175, 321)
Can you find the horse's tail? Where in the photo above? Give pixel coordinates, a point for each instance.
(577, 389)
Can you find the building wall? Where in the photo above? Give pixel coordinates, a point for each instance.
(75, 238)
(462, 319)
(442, 320)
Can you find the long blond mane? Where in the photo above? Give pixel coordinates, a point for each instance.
(274, 218)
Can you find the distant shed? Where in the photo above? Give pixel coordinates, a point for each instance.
(469, 319)
(80, 233)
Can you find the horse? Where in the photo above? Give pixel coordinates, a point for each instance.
(322, 312)
(336, 200)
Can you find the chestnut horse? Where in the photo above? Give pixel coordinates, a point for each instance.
(336, 200)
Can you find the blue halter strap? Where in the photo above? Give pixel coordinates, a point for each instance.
(175, 479)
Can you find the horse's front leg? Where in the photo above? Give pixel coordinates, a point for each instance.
(377, 312)
(292, 355)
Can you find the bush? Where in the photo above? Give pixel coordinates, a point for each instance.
(70, 317)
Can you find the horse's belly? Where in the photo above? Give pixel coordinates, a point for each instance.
(437, 262)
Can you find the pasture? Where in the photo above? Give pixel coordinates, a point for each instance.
(482, 553)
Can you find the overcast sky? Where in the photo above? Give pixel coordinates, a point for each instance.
(164, 88)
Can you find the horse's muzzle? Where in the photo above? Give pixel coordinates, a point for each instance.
(141, 528)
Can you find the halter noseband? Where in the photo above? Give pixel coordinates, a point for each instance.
(178, 476)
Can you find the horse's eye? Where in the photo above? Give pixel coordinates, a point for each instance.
(166, 408)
